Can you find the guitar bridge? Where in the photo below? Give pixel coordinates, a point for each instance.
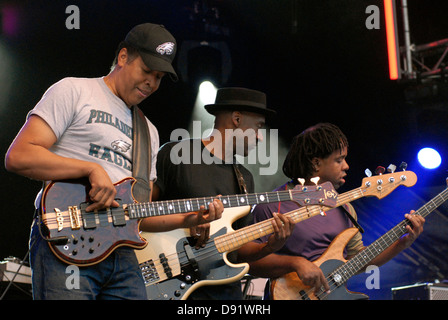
(149, 272)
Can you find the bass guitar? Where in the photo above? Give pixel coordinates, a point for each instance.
(338, 270)
(173, 268)
(86, 238)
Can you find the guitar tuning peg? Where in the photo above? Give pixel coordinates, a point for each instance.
(301, 181)
(368, 172)
(380, 170)
(315, 180)
(403, 166)
(391, 168)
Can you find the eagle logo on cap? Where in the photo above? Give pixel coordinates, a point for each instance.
(165, 48)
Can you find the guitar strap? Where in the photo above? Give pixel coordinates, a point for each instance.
(240, 178)
(349, 212)
(141, 156)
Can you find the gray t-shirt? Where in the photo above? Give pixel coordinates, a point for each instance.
(92, 124)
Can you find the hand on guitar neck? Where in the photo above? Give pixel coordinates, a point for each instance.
(198, 221)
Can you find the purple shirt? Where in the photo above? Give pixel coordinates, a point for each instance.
(310, 237)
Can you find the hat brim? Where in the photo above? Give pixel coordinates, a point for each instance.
(156, 63)
(214, 108)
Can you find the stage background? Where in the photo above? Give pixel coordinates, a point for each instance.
(316, 60)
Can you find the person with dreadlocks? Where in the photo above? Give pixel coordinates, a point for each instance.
(319, 151)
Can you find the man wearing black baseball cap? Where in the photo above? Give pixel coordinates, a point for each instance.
(156, 46)
(82, 128)
(147, 49)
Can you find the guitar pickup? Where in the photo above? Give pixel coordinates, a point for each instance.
(89, 220)
(102, 218)
(118, 215)
(74, 217)
(190, 267)
(166, 266)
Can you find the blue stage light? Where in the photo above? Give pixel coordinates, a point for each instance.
(429, 158)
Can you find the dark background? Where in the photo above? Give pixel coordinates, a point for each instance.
(315, 60)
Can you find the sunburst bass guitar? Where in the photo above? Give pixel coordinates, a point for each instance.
(338, 270)
(173, 268)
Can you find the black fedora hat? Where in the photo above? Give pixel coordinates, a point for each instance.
(240, 99)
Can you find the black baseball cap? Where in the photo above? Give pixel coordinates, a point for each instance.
(156, 46)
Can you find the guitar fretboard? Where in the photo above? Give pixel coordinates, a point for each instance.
(232, 241)
(150, 209)
(359, 261)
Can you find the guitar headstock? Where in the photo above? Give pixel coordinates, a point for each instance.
(383, 184)
(322, 194)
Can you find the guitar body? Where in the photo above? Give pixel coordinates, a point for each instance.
(173, 268)
(290, 287)
(96, 234)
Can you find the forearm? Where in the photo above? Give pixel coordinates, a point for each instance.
(169, 222)
(253, 251)
(388, 254)
(273, 265)
(29, 155)
(38, 163)
(414, 230)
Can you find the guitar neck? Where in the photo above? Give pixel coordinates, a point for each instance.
(234, 240)
(363, 258)
(158, 208)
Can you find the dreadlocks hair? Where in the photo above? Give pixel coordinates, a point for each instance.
(320, 141)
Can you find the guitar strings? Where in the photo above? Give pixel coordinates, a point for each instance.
(398, 230)
(54, 219)
(343, 196)
(210, 246)
(331, 282)
(189, 205)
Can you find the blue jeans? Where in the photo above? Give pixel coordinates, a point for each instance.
(116, 278)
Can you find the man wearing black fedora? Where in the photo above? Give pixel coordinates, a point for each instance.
(207, 167)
